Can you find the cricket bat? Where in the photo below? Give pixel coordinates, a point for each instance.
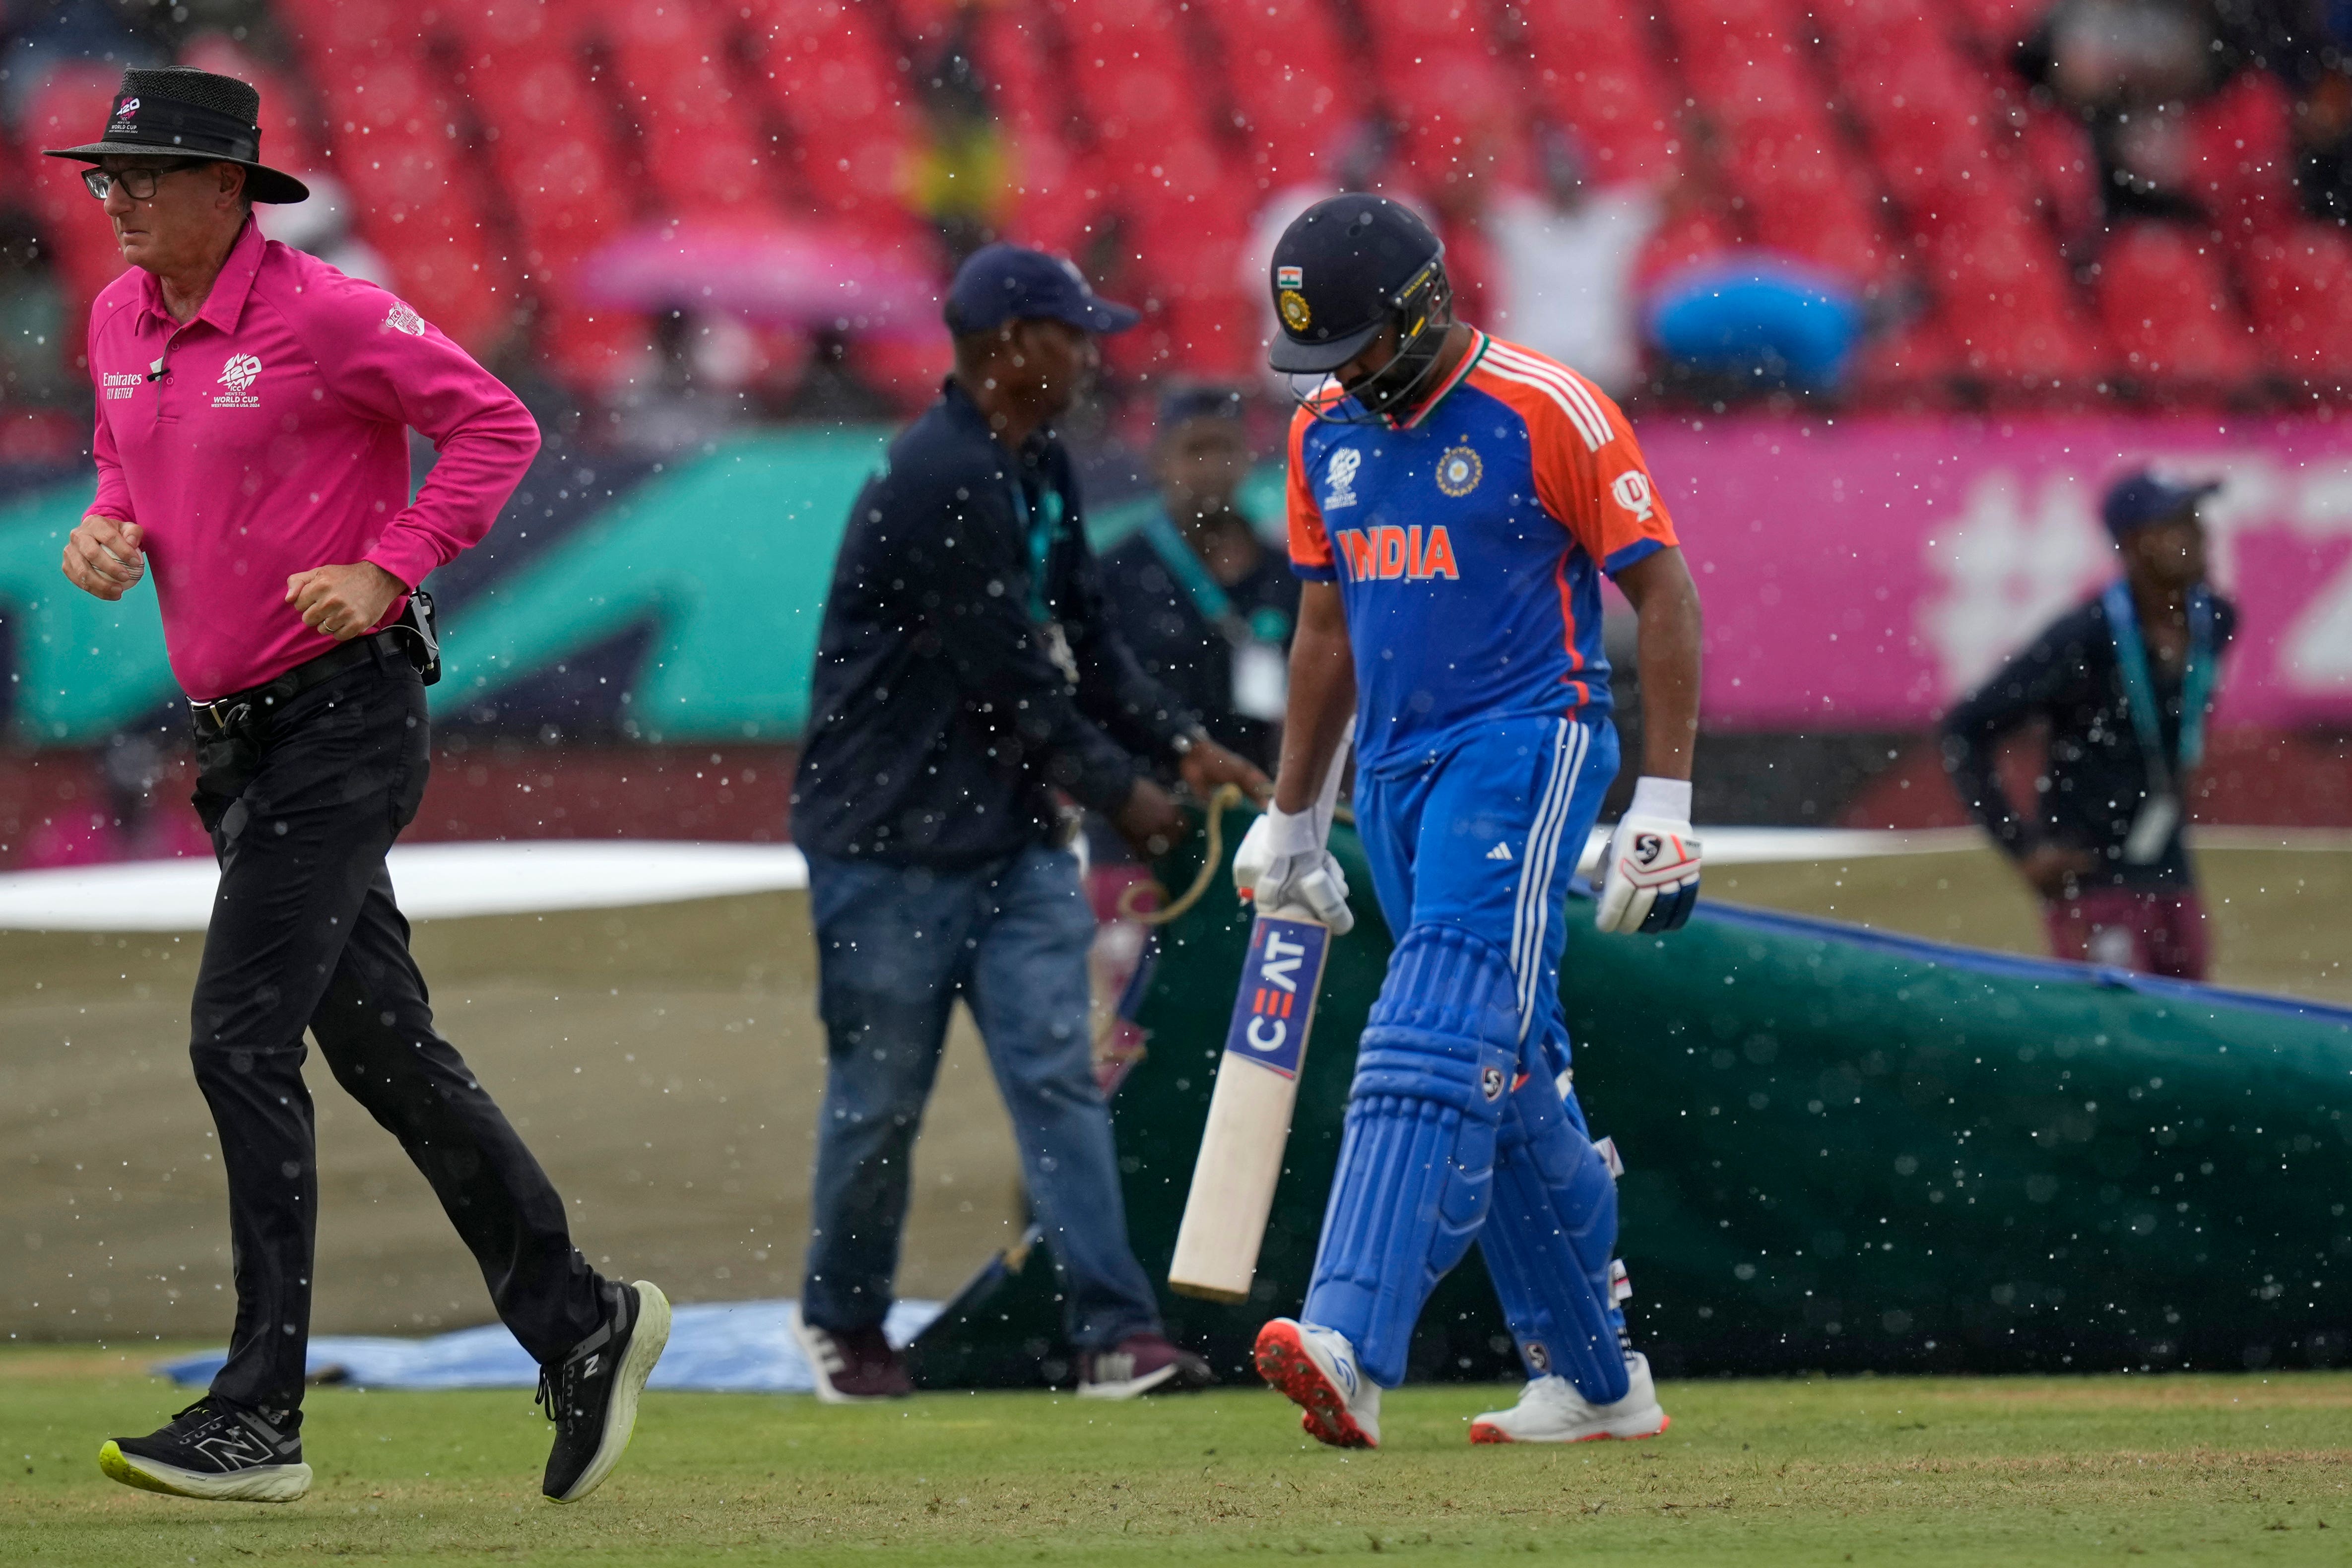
(1249, 1110)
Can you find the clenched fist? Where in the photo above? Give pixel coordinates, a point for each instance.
(103, 557)
(343, 601)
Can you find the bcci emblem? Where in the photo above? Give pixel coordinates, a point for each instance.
(1295, 313)
(240, 372)
(1459, 471)
(402, 319)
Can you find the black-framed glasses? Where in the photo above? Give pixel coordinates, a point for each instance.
(139, 184)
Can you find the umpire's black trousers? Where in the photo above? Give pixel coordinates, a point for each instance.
(302, 805)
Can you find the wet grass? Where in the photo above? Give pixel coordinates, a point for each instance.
(2016, 1472)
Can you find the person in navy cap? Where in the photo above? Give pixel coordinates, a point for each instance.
(2124, 684)
(968, 687)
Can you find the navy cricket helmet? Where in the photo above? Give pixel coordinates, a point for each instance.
(1341, 272)
(1345, 268)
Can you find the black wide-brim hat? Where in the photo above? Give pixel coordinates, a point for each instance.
(176, 111)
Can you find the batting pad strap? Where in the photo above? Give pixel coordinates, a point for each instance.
(1547, 1244)
(1446, 1026)
(1416, 1167)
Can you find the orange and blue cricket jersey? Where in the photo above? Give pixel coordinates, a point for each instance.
(1468, 545)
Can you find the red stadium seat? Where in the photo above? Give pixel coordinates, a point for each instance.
(2299, 292)
(2242, 149)
(2165, 297)
(1591, 63)
(68, 109)
(702, 146)
(394, 133)
(1058, 199)
(1286, 76)
(2009, 310)
(831, 81)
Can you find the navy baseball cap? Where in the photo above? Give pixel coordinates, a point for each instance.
(1181, 404)
(2147, 496)
(999, 283)
(1338, 271)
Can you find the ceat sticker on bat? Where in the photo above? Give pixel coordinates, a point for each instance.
(1276, 1000)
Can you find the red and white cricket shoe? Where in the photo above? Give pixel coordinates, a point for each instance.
(1551, 1411)
(1316, 1369)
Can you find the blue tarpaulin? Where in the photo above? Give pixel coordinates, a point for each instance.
(725, 1347)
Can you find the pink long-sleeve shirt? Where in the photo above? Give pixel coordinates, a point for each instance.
(265, 436)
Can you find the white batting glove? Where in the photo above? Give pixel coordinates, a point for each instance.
(1282, 865)
(1651, 877)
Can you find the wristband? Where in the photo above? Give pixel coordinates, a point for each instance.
(1668, 798)
(1291, 833)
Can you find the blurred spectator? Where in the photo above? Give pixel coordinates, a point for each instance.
(2128, 70)
(1206, 606)
(2123, 684)
(1563, 263)
(322, 226)
(35, 36)
(2307, 44)
(32, 320)
(962, 178)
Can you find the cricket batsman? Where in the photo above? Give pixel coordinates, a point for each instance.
(1453, 501)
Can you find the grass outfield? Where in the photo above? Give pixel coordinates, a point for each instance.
(2011, 1471)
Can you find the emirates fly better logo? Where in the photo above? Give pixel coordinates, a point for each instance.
(238, 375)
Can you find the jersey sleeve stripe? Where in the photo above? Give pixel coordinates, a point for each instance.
(1595, 435)
(1579, 391)
(1593, 423)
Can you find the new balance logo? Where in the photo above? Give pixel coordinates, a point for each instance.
(235, 1447)
(1499, 852)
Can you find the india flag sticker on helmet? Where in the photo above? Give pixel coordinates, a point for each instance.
(1290, 277)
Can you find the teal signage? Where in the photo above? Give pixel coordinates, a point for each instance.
(726, 559)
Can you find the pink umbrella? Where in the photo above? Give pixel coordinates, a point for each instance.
(788, 274)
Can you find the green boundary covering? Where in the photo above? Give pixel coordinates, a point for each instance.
(1844, 1151)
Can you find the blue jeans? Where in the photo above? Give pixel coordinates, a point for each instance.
(895, 946)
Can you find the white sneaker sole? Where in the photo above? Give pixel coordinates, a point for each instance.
(1622, 1428)
(1132, 1387)
(648, 1340)
(263, 1483)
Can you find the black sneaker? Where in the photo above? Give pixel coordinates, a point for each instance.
(214, 1451)
(592, 1394)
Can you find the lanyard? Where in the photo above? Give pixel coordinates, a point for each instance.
(1187, 568)
(2139, 690)
(1265, 624)
(1043, 529)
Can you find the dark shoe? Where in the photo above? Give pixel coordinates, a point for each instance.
(1140, 1363)
(592, 1394)
(852, 1367)
(214, 1451)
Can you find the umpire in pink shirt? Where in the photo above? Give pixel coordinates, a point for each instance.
(252, 452)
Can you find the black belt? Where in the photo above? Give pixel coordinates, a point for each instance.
(222, 714)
